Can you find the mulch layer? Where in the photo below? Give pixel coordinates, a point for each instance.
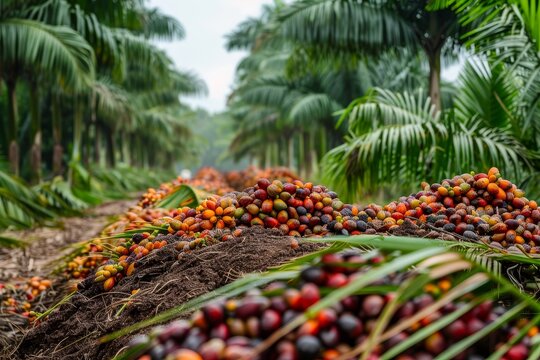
(164, 280)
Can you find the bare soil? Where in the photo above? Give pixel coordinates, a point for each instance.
(164, 281)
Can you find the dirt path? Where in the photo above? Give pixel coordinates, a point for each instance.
(46, 243)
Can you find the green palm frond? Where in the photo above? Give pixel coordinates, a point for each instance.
(361, 25)
(424, 261)
(56, 49)
(157, 25)
(487, 93)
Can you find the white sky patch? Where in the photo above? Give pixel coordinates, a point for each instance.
(203, 50)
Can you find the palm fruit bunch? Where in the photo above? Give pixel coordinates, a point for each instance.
(478, 207)
(17, 297)
(245, 178)
(210, 180)
(297, 208)
(136, 218)
(234, 329)
(152, 195)
(127, 253)
(87, 260)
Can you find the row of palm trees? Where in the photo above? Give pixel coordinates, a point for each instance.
(363, 80)
(82, 77)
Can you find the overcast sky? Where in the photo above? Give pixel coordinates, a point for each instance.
(206, 23)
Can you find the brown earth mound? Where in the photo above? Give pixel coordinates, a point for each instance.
(71, 332)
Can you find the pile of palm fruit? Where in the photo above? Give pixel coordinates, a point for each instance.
(249, 327)
(17, 297)
(482, 208)
(474, 207)
(245, 178)
(206, 179)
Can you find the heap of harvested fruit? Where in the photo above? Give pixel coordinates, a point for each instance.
(477, 207)
(249, 176)
(17, 297)
(234, 329)
(152, 196)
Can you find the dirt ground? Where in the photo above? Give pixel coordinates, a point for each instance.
(47, 243)
(164, 281)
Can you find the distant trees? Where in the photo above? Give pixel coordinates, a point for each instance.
(85, 73)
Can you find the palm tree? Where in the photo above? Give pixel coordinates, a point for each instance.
(346, 30)
(286, 118)
(398, 138)
(32, 46)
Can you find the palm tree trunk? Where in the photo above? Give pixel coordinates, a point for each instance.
(58, 150)
(111, 148)
(35, 152)
(95, 126)
(308, 155)
(13, 120)
(433, 51)
(434, 59)
(77, 130)
(126, 158)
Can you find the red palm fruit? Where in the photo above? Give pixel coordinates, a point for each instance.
(294, 233)
(293, 298)
(270, 222)
(270, 321)
(309, 295)
(499, 228)
(435, 343)
(284, 229)
(518, 203)
(186, 354)
(330, 354)
(293, 214)
(212, 349)
(350, 326)
(290, 188)
(199, 320)
(337, 280)
(494, 171)
(517, 352)
(260, 194)
(267, 206)
(493, 189)
(236, 352)
(326, 317)
(448, 202)
(310, 327)
(456, 330)
(474, 325)
(257, 222)
(308, 204)
(263, 183)
(350, 303)
(372, 305)
(302, 228)
(461, 228)
(213, 313)
(220, 331)
(293, 224)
